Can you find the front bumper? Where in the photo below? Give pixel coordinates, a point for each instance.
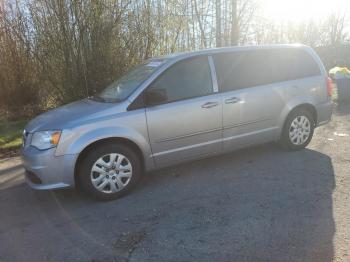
(44, 170)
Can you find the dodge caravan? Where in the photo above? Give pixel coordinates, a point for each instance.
(178, 108)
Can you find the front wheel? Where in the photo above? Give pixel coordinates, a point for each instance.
(109, 171)
(298, 130)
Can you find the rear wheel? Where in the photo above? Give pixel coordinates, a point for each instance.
(298, 130)
(109, 171)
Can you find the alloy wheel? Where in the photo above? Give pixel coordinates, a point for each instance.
(299, 130)
(111, 173)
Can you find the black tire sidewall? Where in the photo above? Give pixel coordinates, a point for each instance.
(285, 140)
(86, 164)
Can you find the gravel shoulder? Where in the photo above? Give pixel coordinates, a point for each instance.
(256, 204)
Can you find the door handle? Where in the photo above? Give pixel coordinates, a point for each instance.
(210, 104)
(232, 100)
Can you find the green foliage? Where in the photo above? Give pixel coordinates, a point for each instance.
(11, 133)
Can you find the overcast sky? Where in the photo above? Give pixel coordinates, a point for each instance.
(299, 10)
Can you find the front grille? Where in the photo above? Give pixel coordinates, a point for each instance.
(33, 177)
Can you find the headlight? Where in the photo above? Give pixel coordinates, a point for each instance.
(45, 139)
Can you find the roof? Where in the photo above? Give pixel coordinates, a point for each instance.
(182, 55)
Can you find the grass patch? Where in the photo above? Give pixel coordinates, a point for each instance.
(11, 134)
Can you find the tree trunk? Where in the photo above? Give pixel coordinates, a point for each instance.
(234, 26)
(218, 23)
(201, 29)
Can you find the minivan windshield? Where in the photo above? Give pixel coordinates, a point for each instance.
(124, 86)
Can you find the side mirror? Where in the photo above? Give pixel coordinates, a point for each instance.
(155, 96)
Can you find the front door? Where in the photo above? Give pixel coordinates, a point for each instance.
(189, 124)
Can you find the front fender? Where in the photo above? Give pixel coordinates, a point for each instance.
(75, 142)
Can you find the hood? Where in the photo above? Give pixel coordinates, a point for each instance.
(69, 114)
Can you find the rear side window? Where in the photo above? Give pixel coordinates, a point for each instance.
(241, 69)
(186, 79)
(304, 64)
(244, 69)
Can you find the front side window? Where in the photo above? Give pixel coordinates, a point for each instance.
(123, 87)
(186, 79)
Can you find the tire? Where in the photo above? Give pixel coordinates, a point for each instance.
(98, 172)
(298, 130)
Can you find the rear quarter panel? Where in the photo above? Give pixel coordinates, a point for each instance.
(311, 91)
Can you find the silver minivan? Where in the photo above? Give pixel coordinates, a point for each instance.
(178, 108)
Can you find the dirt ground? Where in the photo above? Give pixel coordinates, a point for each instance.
(256, 204)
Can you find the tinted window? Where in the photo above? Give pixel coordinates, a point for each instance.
(291, 64)
(304, 64)
(261, 67)
(186, 79)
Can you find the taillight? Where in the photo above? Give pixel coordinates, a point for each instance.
(329, 86)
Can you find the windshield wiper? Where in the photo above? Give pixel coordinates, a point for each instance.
(104, 100)
(97, 98)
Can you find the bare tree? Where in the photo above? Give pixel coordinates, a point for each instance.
(56, 51)
(234, 23)
(218, 24)
(200, 24)
(334, 28)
